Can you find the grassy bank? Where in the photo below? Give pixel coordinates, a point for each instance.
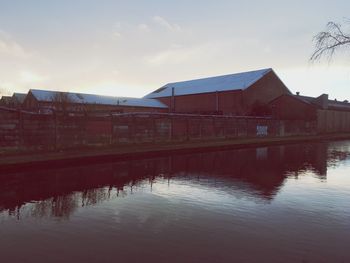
(15, 162)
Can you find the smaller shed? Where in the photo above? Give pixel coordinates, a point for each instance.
(6, 101)
(330, 115)
(19, 98)
(295, 107)
(14, 101)
(69, 101)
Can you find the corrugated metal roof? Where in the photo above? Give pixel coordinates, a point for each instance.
(338, 105)
(306, 99)
(19, 96)
(331, 104)
(6, 99)
(46, 95)
(238, 81)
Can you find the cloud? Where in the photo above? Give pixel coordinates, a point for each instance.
(7, 88)
(29, 77)
(9, 47)
(178, 54)
(143, 28)
(117, 34)
(117, 30)
(164, 23)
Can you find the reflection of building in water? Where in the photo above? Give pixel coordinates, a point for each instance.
(254, 173)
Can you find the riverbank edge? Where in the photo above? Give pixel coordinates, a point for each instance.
(103, 155)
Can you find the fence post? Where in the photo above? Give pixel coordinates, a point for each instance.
(55, 129)
(132, 129)
(112, 128)
(214, 131)
(247, 127)
(20, 130)
(187, 129)
(154, 129)
(171, 128)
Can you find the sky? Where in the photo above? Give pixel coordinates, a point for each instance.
(130, 48)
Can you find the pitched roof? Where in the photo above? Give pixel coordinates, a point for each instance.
(330, 104)
(306, 99)
(338, 105)
(19, 96)
(6, 99)
(80, 98)
(238, 81)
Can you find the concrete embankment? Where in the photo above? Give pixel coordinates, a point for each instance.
(44, 160)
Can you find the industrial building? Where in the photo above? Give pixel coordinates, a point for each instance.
(239, 94)
(253, 93)
(330, 115)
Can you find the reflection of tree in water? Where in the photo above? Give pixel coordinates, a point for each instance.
(65, 205)
(59, 206)
(253, 173)
(337, 153)
(95, 196)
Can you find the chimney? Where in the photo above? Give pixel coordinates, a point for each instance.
(298, 93)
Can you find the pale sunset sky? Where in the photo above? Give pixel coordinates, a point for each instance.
(129, 48)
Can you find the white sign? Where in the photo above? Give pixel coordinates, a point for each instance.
(261, 130)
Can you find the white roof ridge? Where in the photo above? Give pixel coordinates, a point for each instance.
(76, 97)
(224, 75)
(89, 94)
(235, 81)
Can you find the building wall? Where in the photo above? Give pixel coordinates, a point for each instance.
(234, 102)
(231, 102)
(35, 131)
(30, 103)
(332, 121)
(290, 108)
(264, 90)
(7, 101)
(227, 102)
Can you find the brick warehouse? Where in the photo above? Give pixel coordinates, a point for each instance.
(236, 94)
(205, 109)
(330, 115)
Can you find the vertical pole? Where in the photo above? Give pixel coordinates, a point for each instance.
(171, 128)
(217, 102)
(172, 99)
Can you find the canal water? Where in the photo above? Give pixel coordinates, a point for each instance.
(271, 204)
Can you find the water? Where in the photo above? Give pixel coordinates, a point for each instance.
(274, 204)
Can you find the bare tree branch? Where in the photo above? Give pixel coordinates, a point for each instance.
(329, 41)
(61, 101)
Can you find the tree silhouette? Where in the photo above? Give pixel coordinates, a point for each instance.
(61, 101)
(330, 40)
